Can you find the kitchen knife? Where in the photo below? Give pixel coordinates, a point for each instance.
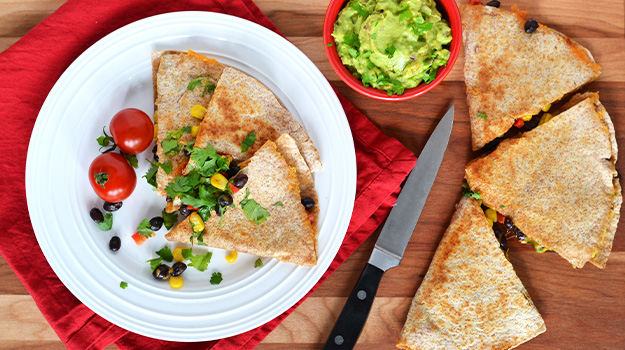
(392, 242)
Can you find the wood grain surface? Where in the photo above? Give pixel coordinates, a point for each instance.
(583, 309)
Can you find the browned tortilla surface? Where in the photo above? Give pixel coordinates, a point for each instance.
(510, 73)
(286, 235)
(241, 105)
(470, 298)
(173, 71)
(557, 182)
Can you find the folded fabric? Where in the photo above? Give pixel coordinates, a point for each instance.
(28, 73)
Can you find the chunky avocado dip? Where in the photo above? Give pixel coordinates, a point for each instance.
(392, 45)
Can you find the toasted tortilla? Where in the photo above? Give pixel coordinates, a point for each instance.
(172, 73)
(286, 235)
(509, 73)
(470, 298)
(557, 182)
(241, 105)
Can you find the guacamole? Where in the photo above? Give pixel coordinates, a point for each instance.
(392, 45)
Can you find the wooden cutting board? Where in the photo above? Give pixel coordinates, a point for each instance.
(583, 309)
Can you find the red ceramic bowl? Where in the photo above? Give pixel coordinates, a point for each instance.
(448, 9)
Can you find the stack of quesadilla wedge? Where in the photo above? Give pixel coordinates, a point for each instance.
(510, 74)
(557, 182)
(242, 105)
(470, 297)
(173, 72)
(277, 179)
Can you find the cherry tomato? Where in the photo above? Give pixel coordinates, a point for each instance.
(111, 177)
(132, 130)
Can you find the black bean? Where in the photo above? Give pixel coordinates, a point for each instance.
(154, 149)
(178, 268)
(507, 223)
(184, 211)
(618, 174)
(96, 215)
(501, 238)
(519, 234)
(186, 152)
(115, 243)
(494, 4)
(492, 145)
(110, 207)
(155, 157)
(240, 180)
(156, 223)
(531, 124)
(225, 200)
(218, 210)
(308, 202)
(161, 272)
(531, 25)
(168, 199)
(233, 171)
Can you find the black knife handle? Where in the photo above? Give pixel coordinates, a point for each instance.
(354, 315)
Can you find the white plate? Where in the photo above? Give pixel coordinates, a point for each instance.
(115, 73)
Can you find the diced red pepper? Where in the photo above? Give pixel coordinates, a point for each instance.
(233, 188)
(519, 123)
(311, 217)
(192, 208)
(500, 218)
(474, 2)
(139, 240)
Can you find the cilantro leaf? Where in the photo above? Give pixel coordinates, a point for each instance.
(329, 45)
(154, 263)
(177, 133)
(404, 13)
(254, 212)
(397, 87)
(429, 75)
(170, 147)
(248, 142)
(166, 254)
(204, 213)
(101, 178)
(216, 278)
(390, 50)
(421, 28)
(352, 52)
(474, 195)
(258, 263)
(278, 204)
(208, 87)
(150, 176)
(352, 40)
(482, 115)
(361, 12)
(166, 167)
(501, 207)
(195, 82)
(200, 262)
(144, 229)
(186, 129)
(183, 184)
(169, 219)
(187, 253)
(123, 285)
(107, 224)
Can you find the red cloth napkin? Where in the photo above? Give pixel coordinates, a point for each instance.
(30, 68)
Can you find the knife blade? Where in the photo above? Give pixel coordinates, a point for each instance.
(391, 244)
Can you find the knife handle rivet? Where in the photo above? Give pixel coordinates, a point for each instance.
(361, 294)
(338, 340)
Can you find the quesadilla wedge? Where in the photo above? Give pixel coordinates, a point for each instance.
(240, 106)
(180, 83)
(510, 74)
(470, 298)
(267, 217)
(557, 183)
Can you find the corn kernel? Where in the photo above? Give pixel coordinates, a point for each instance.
(198, 111)
(195, 130)
(178, 254)
(197, 224)
(527, 118)
(176, 281)
(491, 214)
(155, 130)
(547, 107)
(155, 117)
(228, 158)
(232, 257)
(490, 222)
(545, 118)
(219, 181)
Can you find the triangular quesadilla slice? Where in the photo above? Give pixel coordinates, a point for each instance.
(242, 106)
(181, 81)
(511, 74)
(557, 183)
(470, 298)
(267, 217)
